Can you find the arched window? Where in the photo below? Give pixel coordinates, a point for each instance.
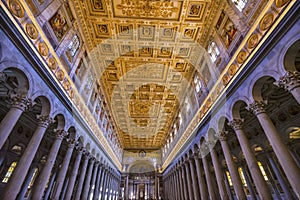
(213, 51)
(9, 172)
(240, 4)
(188, 106)
(198, 84)
(74, 45)
(180, 119)
(175, 129)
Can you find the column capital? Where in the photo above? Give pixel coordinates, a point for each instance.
(86, 154)
(60, 134)
(210, 144)
(196, 155)
(236, 124)
(20, 102)
(92, 158)
(223, 135)
(79, 149)
(44, 120)
(191, 159)
(289, 81)
(257, 107)
(71, 143)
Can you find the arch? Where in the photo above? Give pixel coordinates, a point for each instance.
(60, 121)
(203, 150)
(212, 136)
(72, 133)
(141, 166)
(88, 146)
(93, 152)
(17, 81)
(196, 148)
(236, 109)
(291, 52)
(257, 84)
(42, 106)
(80, 141)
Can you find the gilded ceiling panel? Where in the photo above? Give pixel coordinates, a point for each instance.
(142, 52)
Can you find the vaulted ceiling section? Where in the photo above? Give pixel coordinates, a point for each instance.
(142, 51)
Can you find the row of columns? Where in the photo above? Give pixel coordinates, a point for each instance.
(188, 179)
(151, 186)
(90, 168)
(178, 181)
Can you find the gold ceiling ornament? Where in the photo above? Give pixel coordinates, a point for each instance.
(52, 63)
(242, 56)
(147, 8)
(43, 48)
(60, 75)
(266, 21)
(31, 31)
(281, 3)
(252, 41)
(16, 8)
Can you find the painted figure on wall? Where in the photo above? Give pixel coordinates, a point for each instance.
(59, 25)
(228, 32)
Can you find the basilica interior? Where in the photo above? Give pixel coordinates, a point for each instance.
(149, 99)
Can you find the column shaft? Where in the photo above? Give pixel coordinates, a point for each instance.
(82, 176)
(256, 174)
(280, 178)
(219, 175)
(15, 182)
(63, 171)
(40, 185)
(92, 187)
(87, 183)
(208, 179)
(249, 183)
(73, 176)
(178, 184)
(284, 157)
(26, 184)
(11, 118)
(186, 195)
(50, 185)
(189, 180)
(98, 182)
(194, 180)
(202, 185)
(235, 177)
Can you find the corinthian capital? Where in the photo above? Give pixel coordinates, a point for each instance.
(60, 134)
(222, 135)
(289, 81)
(236, 124)
(21, 102)
(257, 107)
(44, 120)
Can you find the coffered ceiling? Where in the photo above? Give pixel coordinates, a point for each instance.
(141, 51)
